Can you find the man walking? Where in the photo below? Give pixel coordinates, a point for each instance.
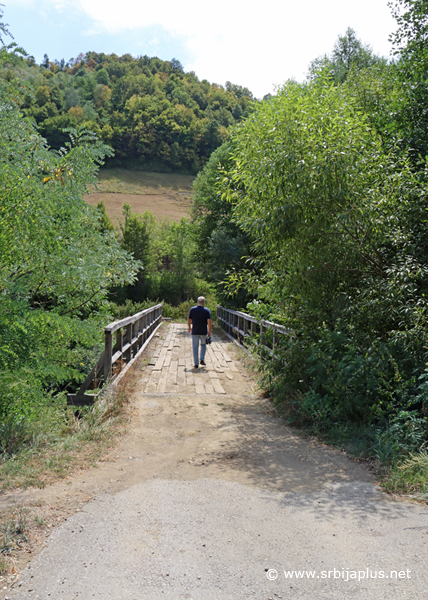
(200, 324)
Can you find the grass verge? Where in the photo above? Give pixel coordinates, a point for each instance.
(83, 441)
(84, 436)
(409, 478)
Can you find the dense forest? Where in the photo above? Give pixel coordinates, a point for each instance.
(310, 210)
(153, 114)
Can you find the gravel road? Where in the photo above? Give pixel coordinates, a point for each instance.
(212, 498)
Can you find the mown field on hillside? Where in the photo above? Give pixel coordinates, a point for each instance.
(163, 194)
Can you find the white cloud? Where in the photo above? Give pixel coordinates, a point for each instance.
(228, 40)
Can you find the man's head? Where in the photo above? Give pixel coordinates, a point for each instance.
(201, 300)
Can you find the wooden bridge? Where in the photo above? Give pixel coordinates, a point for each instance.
(172, 365)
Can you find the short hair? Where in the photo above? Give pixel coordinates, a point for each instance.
(201, 300)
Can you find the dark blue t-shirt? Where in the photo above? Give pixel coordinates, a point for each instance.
(199, 315)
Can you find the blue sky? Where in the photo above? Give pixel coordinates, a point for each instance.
(221, 41)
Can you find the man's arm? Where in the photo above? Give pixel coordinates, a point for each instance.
(209, 326)
(189, 324)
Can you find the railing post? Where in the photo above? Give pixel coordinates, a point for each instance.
(143, 329)
(119, 339)
(139, 330)
(108, 356)
(128, 353)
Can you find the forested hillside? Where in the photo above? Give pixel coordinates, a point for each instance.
(153, 114)
(319, 200)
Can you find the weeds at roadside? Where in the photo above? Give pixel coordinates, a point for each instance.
(78, 444)
(21, 528)
(82, 442)
(13, 531)
(60, 445)
(409, 477)
(3, 566)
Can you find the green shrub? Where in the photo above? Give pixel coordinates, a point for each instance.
(409, 476)
(405, 435)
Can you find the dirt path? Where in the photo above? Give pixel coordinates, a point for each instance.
(209, 497)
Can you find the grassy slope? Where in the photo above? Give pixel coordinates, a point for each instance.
(166, 195)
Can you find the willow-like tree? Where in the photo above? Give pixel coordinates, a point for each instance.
(337, 223)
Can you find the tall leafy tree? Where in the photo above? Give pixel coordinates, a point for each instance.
(410, 45)
(348, 53)
(337, 222)
(222, 245)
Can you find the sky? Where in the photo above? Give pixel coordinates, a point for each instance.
(226, 40)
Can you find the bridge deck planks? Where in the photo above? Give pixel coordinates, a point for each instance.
(173, 371)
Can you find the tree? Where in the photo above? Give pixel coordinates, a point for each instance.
(175, 248)
(76, 112)
(151, 111)
(43, 94)
(337, 227)
(411, 49)
(239, 91)
(137, 239)
(9, 53)
(222, 246)
(56, 264)
(348, 53)
(105, 223)
(102, 95)
(72, 98)
(176, 65)
(102, 77)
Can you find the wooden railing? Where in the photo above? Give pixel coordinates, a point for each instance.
(132, 336)
(242, 328)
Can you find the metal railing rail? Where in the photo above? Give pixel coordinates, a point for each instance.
(132, 336)
(241, 327)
